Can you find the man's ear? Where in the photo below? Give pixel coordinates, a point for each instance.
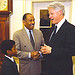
(60, 11)
(24, 22)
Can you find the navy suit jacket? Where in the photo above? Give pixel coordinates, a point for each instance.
(9, 67)
(59, 62)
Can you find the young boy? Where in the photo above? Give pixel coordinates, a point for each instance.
(9, 66)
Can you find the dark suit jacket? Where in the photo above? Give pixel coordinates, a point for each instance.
(9, 68)
(59, 62)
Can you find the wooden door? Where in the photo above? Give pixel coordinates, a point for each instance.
(4, 33)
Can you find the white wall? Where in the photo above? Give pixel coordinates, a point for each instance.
(16, 17)
(73, 12)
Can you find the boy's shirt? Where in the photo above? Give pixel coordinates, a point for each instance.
(11, 58)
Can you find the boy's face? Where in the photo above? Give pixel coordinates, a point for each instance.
(13, 51)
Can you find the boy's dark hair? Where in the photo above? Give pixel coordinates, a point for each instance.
(6, 45)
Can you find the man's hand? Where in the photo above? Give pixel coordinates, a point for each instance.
(35, 55)
(46, 49)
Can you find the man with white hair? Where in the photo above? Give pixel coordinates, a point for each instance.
(61, 46)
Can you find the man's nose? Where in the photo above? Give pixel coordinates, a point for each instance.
(33, 22)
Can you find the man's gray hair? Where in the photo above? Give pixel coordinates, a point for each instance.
(57, 6)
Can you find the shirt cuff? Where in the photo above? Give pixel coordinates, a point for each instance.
(41, 54)
(29, 54)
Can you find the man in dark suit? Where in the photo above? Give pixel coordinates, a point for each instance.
(59, 50)
(29, 55)
(9, 67)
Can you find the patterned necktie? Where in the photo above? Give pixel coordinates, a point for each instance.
(31, 39)
(53, 33)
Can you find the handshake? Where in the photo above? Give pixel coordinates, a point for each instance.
(35, 55)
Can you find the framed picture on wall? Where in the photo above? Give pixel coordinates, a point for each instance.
(44, 18)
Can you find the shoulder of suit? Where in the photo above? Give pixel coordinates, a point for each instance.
(6, 60)
(37, 30)
(19, 31)
(69, 26)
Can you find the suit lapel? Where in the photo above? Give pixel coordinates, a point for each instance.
(26, 40)
(35, 37)
(58, 34)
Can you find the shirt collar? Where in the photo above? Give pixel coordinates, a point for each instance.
(27, 30)
(11, 58)
(60, 24)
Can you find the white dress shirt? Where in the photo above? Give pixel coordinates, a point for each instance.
(59, 24)
(58, 27)
(29, 33)
(11, 58)
(29, 37)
